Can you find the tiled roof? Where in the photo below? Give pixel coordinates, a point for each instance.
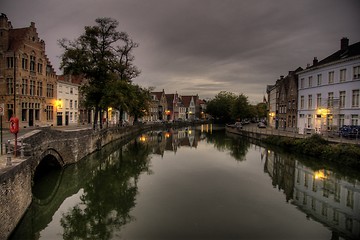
(186, 100)
(348, 52)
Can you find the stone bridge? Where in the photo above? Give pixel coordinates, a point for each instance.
(46, 149)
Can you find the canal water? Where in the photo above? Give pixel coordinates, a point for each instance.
(193, 183)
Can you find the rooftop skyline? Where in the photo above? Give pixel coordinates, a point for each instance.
(204, 46)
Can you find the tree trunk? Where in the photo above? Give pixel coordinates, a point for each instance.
(96, 117)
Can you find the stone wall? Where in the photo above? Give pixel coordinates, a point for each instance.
(15, 192)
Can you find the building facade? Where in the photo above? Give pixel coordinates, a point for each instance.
(328, 94)
(27, 78)
(67, 103)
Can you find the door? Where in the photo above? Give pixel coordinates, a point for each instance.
(66, 118)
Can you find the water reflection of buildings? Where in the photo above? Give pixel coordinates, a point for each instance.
(173, 139)
(321, 195)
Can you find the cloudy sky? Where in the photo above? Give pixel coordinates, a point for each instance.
(203, 46)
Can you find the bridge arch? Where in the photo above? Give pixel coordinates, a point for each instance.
(47, 172)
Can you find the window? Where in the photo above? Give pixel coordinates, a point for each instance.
(39, 89)
(355, 119)
(49, 90)
(24, 89)
(24, 107)
(9, 86)
(330, 99)
(302, 102)
(10, 111)
(40, 68)
(10, 62)
(37, 111)
(331, 77)
(32, 87)
(75, 105)
(310, 81)
(310, 102)
(32, 63)
(319, 79)
(342, 75)
(24, 62)
(71, 104)
(355, 98)
(341, 120)
(49, 113)
(318, 100)
(71, 90)
(302, 83)
(342, 99)
(357, 72)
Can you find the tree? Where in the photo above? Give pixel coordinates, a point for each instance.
(241, 108)
(220, 106)
(104, 57)
(261, 110)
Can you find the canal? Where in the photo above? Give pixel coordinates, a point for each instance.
(193, 183)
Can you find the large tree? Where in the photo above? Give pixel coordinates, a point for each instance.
(102, 55)
(241, 108)
(220, 106)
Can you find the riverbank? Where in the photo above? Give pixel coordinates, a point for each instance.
(336, 151)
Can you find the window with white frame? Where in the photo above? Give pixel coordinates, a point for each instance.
(310, 81)
(319, 79)
(355, 98)
(318, 100)
(357, 72)
(330, 99)
(355, 119)
(302, 102)
(310, 101)
(341, 120)
(331, 77)
(302, 83)
(342, 99)
(342, 75)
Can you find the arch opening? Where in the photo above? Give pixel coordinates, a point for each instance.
(46, 177)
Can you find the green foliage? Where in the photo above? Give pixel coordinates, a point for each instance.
(226, 106)
(316, 146)
(220, 106)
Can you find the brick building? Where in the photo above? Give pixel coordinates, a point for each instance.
(27, 78)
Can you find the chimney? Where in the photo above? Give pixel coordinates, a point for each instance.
(344, 43)
(315, 61)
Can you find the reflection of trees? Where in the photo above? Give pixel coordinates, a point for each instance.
(104, 209)
(237, 145)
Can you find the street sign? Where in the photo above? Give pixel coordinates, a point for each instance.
(1, 109)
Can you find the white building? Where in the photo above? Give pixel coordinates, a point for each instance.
(67, 104)
(328, 91)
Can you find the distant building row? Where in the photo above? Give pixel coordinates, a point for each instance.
(320, 98)
(174, 107)
(31, 90)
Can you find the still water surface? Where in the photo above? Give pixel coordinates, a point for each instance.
(193, 184)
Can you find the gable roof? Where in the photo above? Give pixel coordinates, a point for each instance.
(186, 100)
(346, 51)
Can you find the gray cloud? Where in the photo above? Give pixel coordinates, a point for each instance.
(204, 46)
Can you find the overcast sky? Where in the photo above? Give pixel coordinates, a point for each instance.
(203, 46)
